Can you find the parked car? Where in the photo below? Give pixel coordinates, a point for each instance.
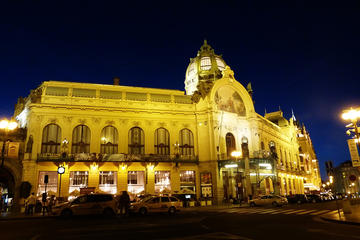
(297, 198)
(88, 205)
(156, 204)
(314, 198)
(274, 200)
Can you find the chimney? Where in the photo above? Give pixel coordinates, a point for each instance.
(116, 81)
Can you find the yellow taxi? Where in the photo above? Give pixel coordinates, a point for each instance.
(91, 204)
(156, 204)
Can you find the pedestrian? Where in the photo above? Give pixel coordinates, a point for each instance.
(31, 202)
(124, 203)
(51, 203)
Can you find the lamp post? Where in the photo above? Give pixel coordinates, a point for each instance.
(61, 171)
(353, 115)
(236, 155)
(6, 126)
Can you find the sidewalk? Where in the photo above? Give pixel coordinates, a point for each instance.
(352, 218)
(214, 207)
(20, 216)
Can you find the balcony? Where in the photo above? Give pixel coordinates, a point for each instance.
(96, 157)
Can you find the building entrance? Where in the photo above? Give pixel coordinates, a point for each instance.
(233, 185)
(7, 189)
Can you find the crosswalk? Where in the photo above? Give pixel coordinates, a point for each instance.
(273, 211)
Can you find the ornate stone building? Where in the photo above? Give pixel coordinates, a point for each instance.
(209, 142)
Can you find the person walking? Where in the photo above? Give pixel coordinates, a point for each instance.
(124, 203)
(51, 203)
(31, 202)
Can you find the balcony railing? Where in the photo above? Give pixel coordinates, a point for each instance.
(121, 157)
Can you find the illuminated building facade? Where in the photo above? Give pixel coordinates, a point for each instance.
(309, 163)
(145, 140)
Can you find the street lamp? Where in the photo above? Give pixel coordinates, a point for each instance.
(61, 171)
(353, 115)
(6, 126)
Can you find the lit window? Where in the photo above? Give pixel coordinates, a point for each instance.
(51, 187)
(107, 182)
(191, 69)
(186, 142)
(230, 144)
(109, 140)
(51, 139)
(162, 141)
(162, 182)
(81, 139)
(220, 64)
(205, 63)
(136, 141)
(136, 183)
(78, 180)
(187, 177)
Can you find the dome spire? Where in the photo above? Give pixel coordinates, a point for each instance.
(205, 48)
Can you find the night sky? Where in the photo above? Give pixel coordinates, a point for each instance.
(298, 56)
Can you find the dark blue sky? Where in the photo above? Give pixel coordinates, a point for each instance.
(297, 56)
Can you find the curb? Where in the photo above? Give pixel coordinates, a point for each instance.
(340, 221)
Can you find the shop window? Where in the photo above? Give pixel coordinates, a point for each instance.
(162, 141)
(230, 144)
(136, 183)
(187, 177)
(81, 139)
(107, 182)
(186, 142)
(78, 180)
(162, 182)
(136, 141)
(187, 182)
(51, 187)
(51, 139)
(109, 140)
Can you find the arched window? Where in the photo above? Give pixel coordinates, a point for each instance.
(109, 140)
(245, 147)
(186, 142)
(51, 139)
(81, 139)
(162, 141)
(262, 146)
(136, 141)
(230, 144)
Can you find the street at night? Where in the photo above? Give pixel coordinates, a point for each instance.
(290, 222)
(179, 120)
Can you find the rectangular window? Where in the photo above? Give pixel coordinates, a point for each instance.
(187, 182)
(51, 187)
(136, 183)
(187, 177)
(78, 180)
(206, 184)
(107, 182)
(162, 182)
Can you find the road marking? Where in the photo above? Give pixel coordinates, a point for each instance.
(306, 212)
(320, 212)
(283, 211)
(268, 211)
(295, 211)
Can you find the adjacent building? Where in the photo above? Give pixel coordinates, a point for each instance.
(207, 141)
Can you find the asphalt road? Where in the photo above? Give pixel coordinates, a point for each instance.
(291, 222)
